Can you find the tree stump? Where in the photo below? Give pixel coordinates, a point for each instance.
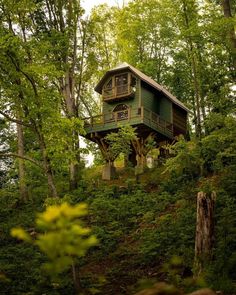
(204, 239)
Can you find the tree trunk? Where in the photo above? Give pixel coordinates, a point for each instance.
(74, 168)
(68, 93)
(141, 148)
(76, 279)
(47, 167)
(141, 164)
(232, 37)
(196, 86)
(132, 158)
(21, 164)
(204, 230)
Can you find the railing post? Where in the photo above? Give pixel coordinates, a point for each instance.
(129, 114)
(142, 112)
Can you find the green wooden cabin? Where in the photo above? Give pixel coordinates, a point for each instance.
(130, 97)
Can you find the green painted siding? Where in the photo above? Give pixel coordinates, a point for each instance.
(164, 108)
(157, 104)
(148, 100)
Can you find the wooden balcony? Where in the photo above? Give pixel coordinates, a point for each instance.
(118, 92)
(133, 117)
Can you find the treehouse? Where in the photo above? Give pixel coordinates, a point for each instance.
(130, 97)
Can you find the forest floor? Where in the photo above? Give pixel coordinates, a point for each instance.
(146, 234)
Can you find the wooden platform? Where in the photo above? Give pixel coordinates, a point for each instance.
(143, 119)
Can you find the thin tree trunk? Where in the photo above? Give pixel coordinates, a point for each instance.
(21, 164)
(76, 279)
(47, 167)
(195, 74)
(68, 93)
(204, 239)
(232, 36)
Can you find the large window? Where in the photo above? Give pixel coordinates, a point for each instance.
(121, 83)
(121, 79)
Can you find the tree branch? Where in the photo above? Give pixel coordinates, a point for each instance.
(14, 120)
(14, 155)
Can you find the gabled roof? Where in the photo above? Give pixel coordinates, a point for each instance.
(143, 77)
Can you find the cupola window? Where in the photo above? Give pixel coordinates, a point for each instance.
(121, 83)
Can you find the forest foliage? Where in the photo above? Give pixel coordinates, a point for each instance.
(52, 54)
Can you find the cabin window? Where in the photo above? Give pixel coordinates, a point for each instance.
(108, 85)
(121, 79)
(133, 81)
(121, 83)
(121, 112)
(108, 88)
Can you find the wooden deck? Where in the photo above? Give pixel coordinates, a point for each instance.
(131, 117)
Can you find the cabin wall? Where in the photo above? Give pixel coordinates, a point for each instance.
(165, 108)
(179, 120)
(157, 103)
(148, 100)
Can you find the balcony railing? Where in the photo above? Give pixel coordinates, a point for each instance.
(130, 115)
(117, 92)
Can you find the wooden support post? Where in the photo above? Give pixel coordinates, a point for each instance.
(142, 112)
(109, 171)
(204, 230)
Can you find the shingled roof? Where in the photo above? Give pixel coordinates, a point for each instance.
(143, 77)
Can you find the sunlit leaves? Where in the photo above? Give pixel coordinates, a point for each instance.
(61, 236)
(119, 142)
(20, 234)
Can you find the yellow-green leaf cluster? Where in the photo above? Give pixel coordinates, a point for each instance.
(62, 236)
